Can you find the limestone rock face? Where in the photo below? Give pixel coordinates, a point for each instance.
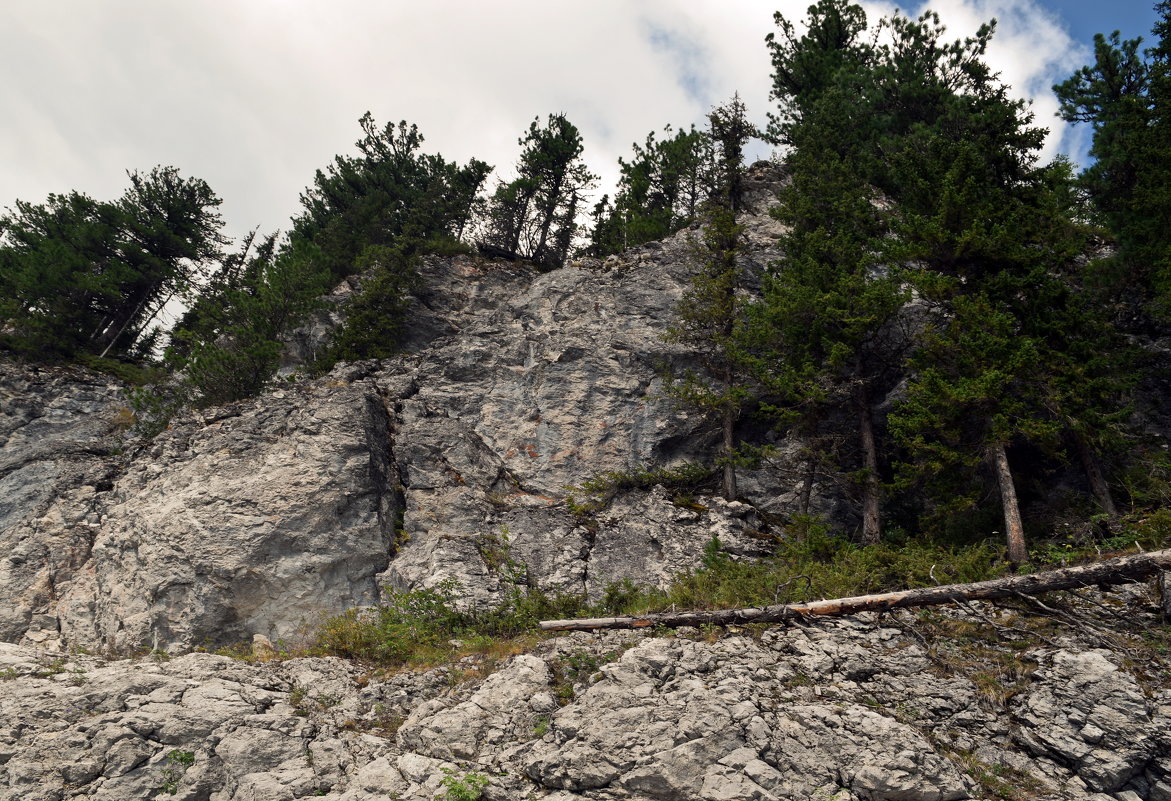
(262, 520)
(452, 461)
(59, 430)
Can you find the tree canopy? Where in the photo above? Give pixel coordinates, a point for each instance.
(1125, 95)
(389, 190)
(85, 276)
(535, 215)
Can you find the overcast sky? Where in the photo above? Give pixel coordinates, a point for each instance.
(255, 95)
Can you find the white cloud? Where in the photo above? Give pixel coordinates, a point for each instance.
(254, 96)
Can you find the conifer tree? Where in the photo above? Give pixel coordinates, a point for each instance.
(87, 276)
(372, 214)
(227, 346)
(660, 190)
(389, 190)
(711, 308)
(1126, 96)
(912, 164)
(535, 215)
(806, 66)
(820, 336)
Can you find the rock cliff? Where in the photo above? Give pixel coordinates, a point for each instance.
(265, 516)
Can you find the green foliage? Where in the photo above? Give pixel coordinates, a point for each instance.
(597, 491)
(709, 314)
(176, 765)
(82, 276)
(228, 344)
(419, 626)
(468, 787)
(535, 215)
(913, 167)
(816, 565)
(374, 214)
(807, 65)
(821, 335)
(388, 191)
(375, 318)
(660, 190)
(973, 386)
(1125, 95)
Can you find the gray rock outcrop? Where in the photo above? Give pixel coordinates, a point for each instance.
(59, 433)
(852, 710)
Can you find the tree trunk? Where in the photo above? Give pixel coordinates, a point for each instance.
(806, 496)
(1013, 530)
(518, 224)
(871, 489)
(563, 240)
(1097, 481)
(730, 489)
(1123, 570)
(550, 213)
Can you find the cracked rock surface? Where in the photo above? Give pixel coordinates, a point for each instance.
(853, 710)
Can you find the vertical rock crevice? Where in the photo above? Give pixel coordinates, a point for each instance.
(384, 471)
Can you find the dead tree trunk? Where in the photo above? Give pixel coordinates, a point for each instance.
(1014, 530)
(1123, 570)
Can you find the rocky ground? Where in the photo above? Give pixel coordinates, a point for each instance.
(903, 708)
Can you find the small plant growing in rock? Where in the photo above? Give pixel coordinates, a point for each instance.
(297, 701)
(176, 765)
(469, 787)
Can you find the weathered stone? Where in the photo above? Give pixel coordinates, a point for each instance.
(1091, 715)
(262, 522)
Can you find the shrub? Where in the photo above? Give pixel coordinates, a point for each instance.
(469, 787)
(596, 492)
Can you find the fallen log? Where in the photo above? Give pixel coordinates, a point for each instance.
(1122, 570)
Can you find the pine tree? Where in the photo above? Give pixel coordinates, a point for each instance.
(711, 307)
(1126, 96)
(806, 66)
(535, 215)
(389, 190)
(913, 166)
(227, 346)
(660, 190)
(84, 276)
